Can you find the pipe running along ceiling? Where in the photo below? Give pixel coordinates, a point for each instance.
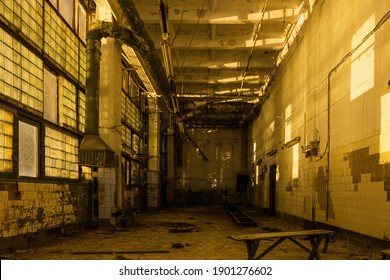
(217, 55)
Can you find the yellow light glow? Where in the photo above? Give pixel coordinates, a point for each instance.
(265, 42)
(223, 20)
(272, 127)
(254, 151)
(295, 161)
(231, 65)
(248, 79)
(287, 126)
(254, 16)
(384, 148)
(363, 60)
(276, 14)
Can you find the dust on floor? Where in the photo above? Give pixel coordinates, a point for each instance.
(193, 233)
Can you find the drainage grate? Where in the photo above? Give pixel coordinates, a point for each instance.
(239, 217)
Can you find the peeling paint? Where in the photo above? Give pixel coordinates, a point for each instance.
(361, 162)
(324, 201)
(40, 215)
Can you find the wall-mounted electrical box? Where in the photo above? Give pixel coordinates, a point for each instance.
(311, 149)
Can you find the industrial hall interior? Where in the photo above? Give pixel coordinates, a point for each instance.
(194, 129)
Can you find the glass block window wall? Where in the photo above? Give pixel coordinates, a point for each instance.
(21, 73)
(61, 154)
(6, 141)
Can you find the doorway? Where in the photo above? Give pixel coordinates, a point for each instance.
(272, 190)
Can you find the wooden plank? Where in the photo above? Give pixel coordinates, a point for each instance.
(280, 234)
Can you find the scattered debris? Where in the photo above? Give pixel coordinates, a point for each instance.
(24, 251)
(177, 245)
(105, 232)
(183, 229)
(121, 257)
(121, 252)
(6, 257)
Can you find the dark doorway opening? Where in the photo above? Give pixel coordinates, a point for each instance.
(272, 190)
(242, 183)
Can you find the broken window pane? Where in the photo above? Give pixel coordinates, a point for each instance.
(28, 150)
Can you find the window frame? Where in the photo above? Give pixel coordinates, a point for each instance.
(38, 125)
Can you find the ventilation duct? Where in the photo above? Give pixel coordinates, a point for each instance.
(93, 150)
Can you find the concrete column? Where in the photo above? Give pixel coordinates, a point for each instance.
(171, 166)
(153, 173)
(110, 97)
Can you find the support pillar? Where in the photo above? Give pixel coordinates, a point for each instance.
(153, 173)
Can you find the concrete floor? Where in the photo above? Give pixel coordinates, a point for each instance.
(207, 240)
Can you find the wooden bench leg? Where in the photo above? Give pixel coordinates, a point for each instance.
(251, 247)
(270, 248)
(315, 244)
(327, 240)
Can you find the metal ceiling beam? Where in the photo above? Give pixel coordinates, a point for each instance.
(145, 49)
(241, 16)
(230, 43)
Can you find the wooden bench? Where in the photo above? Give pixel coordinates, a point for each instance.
(252, 241)
(385, 254)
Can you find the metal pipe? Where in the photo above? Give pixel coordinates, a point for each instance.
(92, 89)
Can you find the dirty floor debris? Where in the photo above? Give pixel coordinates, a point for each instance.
(193, 233)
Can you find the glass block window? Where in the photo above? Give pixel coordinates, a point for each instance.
(25, 16)
(6, 141)
(130, 113)
(136, 143)
(83, 65)
(61, 151)
(135, 173)
(86, 173)
(81, 111)
(21, 73)
(54, 2)
(126, 171)
(61, 44)
(28, 149)
(126, 140)
(67, 98)
(135, 92)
